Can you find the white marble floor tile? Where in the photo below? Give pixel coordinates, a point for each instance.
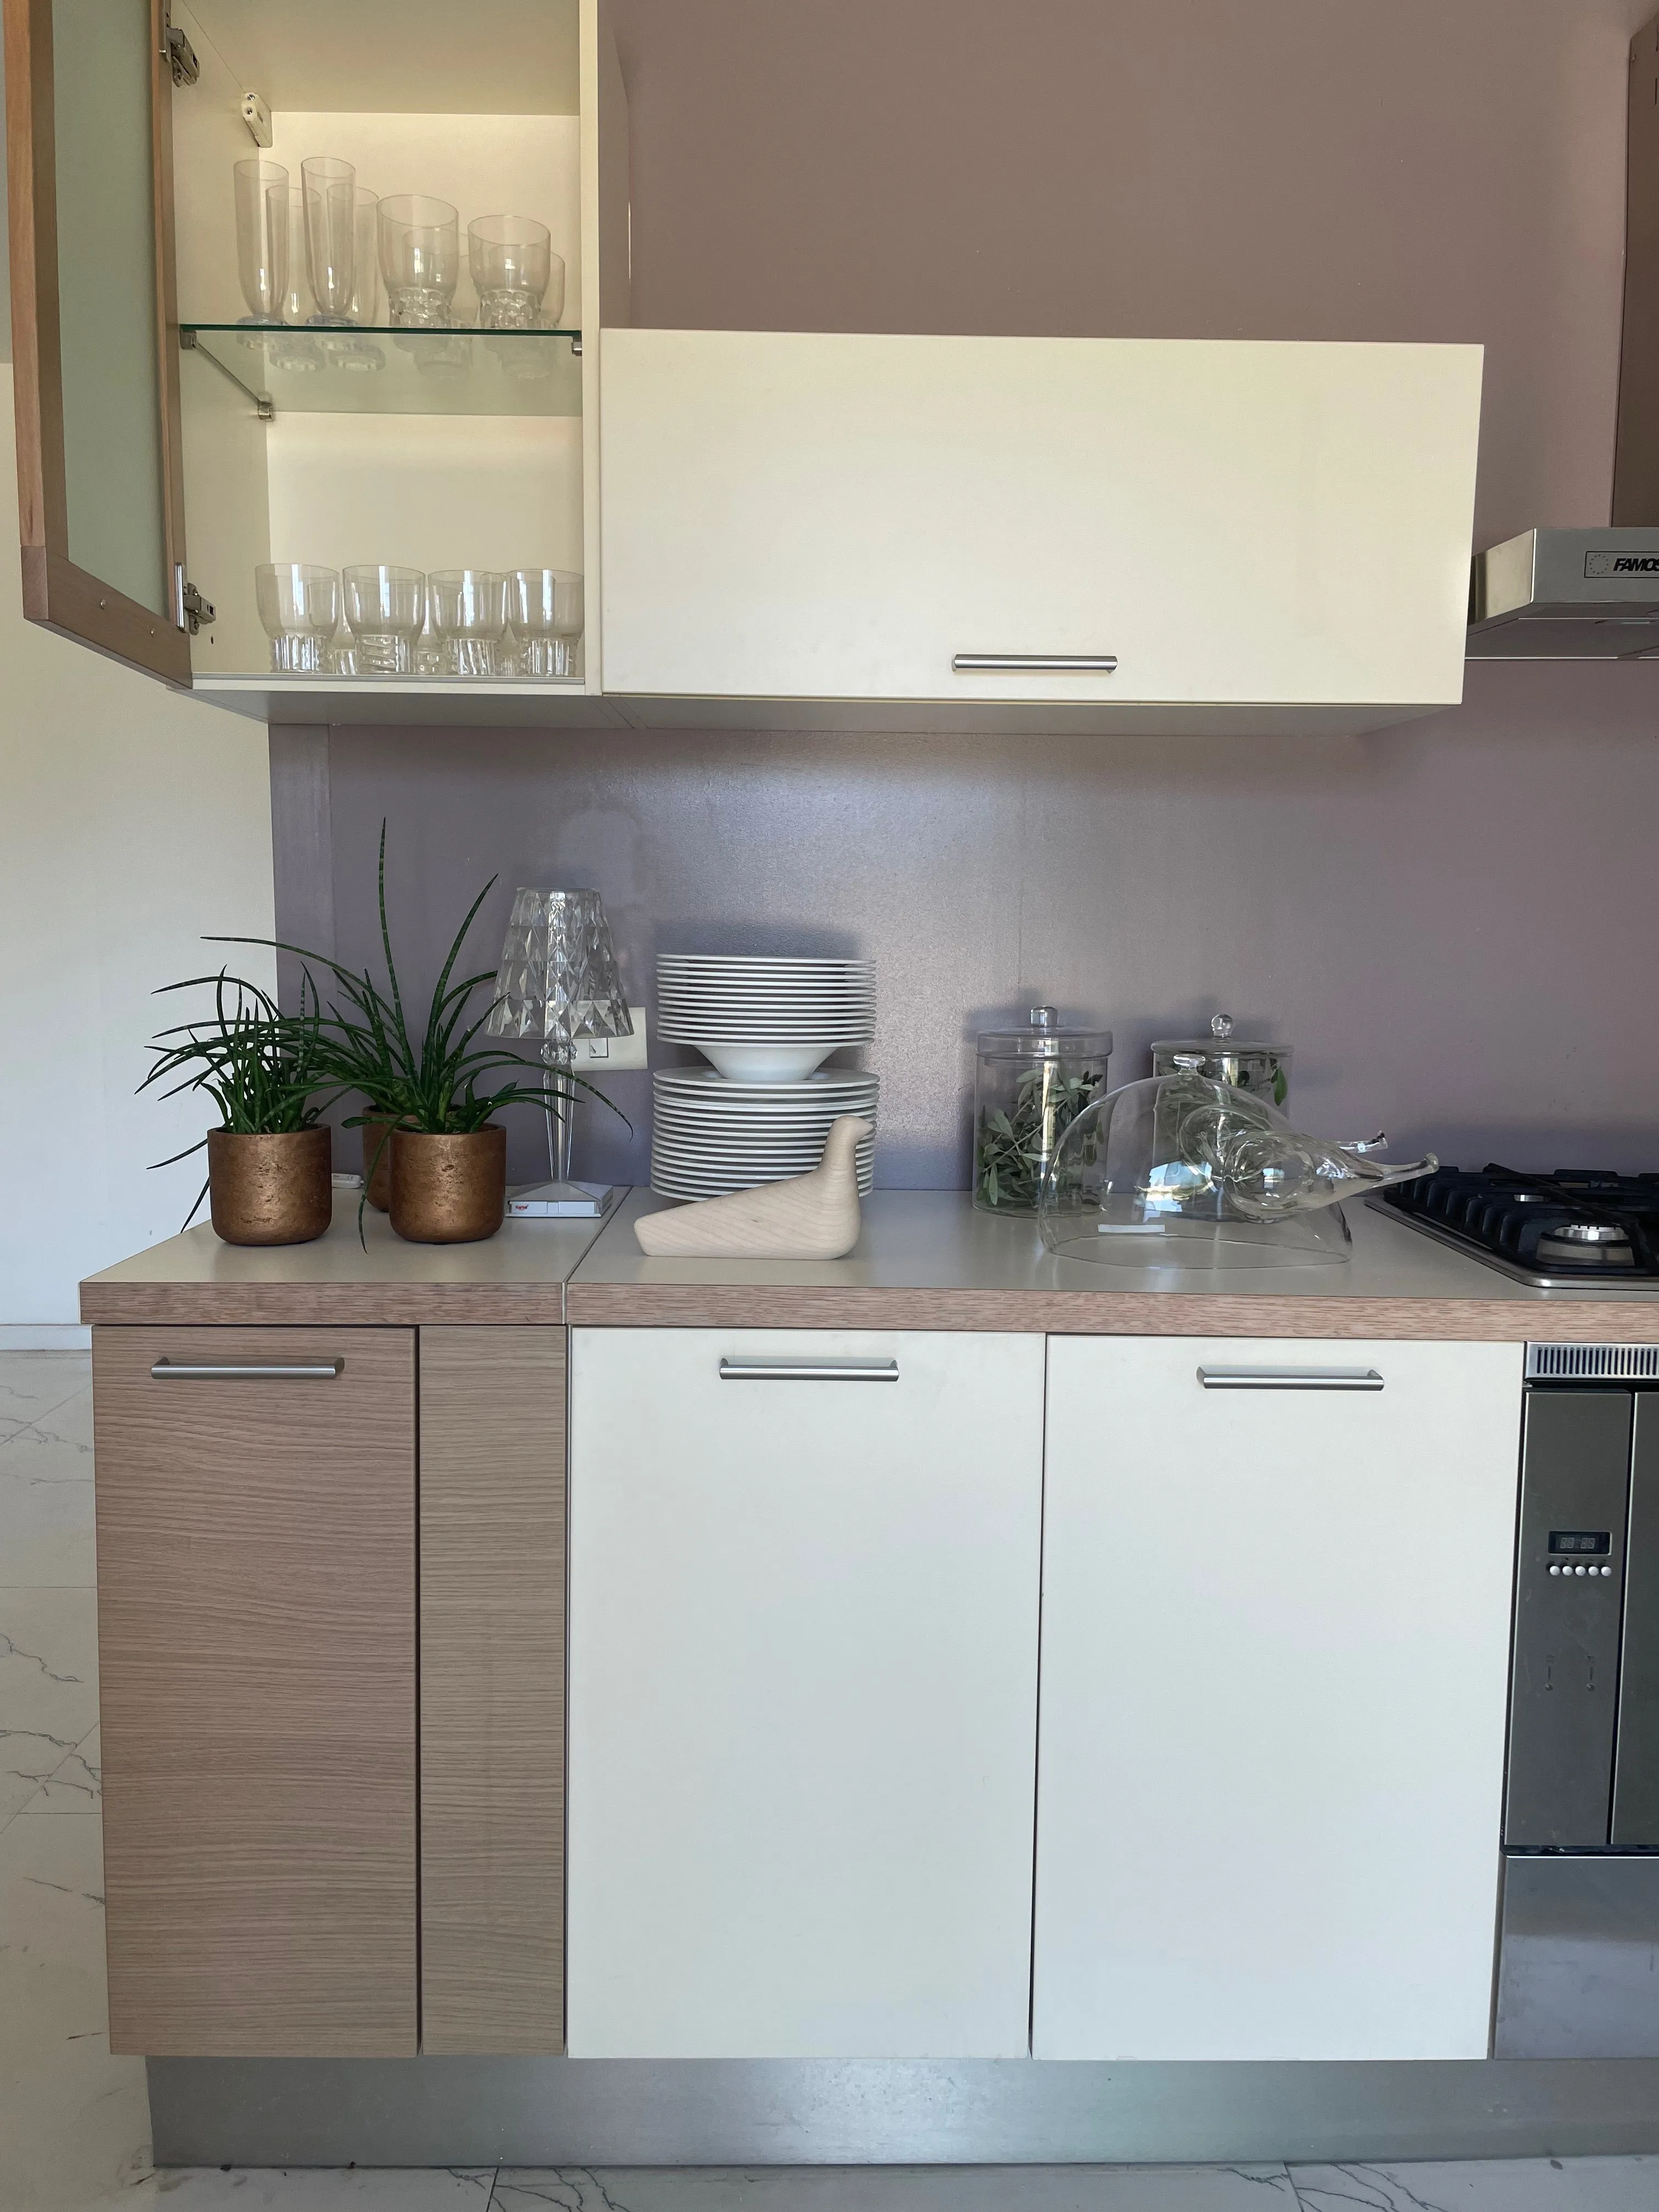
(898, 2189)
(76, 1786)
(47, 1539)
(32, 1382)
(74, 2121)
(48, 1686)
(312, 2189)
(54, 1444)
(1494, 2185)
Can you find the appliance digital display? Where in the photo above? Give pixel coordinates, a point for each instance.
(1581, 1539)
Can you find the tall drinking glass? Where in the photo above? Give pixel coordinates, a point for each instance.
(511, 260)
(365, 255)
(262, 239)
(299, 606)
(385, 610)
(544, 606)
(351, 349)
(420, 259)
(292, 349)
(329, 185)
(469, 612)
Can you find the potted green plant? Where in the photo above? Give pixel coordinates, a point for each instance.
(431, 1095)
(269, 1158)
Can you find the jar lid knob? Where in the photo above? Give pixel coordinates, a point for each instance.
(1045, 1018)
(1221, 1025)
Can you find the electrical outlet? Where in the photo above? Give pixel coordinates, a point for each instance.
(611, 1056)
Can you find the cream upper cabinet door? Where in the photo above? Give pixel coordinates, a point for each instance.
(803, 1693)
(1275, 1634)
(791, 515)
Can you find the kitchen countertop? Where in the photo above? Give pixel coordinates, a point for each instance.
(517, 1275)
(925, 1259)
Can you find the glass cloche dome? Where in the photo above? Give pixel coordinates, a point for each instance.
(1179, 1171)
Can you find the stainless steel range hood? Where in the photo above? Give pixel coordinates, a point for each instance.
(1593, 594)
(1567, 595)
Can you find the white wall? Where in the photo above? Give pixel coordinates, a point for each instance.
(133, 822)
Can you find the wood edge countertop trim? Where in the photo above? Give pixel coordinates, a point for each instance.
(1113, 1313)
(771, 1305)
(321, 1305)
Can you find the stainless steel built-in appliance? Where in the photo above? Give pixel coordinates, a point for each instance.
(1578, 1956)
(1566, 594)
(1573, 1228)
(1593, 594)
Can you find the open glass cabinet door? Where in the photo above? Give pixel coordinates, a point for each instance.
(100, 493)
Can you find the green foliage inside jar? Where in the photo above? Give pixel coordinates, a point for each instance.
(1013, 1145)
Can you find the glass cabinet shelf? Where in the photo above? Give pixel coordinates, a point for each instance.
(378, 371)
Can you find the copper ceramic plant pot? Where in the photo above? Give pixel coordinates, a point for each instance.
(270, 1190)
(448, 1190)
(377, 1164)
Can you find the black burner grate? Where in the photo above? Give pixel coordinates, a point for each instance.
(1509, 1214)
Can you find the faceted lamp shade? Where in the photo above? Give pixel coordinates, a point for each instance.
(558, 978)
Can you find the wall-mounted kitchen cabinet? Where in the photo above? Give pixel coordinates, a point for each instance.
(1034, 532)
(801, 529)
(167, 447)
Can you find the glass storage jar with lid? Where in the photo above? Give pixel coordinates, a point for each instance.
(1030, 1086)
(1262, 1069)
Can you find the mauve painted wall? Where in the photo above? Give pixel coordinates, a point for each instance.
(1453, 922)
(1424, 169)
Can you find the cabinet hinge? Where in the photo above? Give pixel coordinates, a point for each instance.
(189, 609)
(182, 56)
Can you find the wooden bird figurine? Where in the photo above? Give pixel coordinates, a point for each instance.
(812, 1217)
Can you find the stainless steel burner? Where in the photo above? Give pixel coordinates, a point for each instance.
(1552, 1229)
(1600, 1243)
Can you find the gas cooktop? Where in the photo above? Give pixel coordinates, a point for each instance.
(1556, 1231)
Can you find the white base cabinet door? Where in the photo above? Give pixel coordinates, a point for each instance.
(1275, 1646)
(803, 1694)
(798, 515)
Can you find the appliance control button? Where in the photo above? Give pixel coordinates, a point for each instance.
(1554, 1567)
(1579, 1570)
(1607, 1571)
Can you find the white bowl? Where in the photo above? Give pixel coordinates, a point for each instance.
(767, 1063)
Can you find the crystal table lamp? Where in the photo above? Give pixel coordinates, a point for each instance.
(558, 981)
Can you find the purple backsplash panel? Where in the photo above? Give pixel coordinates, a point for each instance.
(1454, 923)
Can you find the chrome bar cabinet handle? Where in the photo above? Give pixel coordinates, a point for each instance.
(1289, 1378)
(808, 1370)
(1076, 664)
(233, 1371)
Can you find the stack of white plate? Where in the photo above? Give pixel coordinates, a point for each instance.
(764, 1020)
(710, 1136)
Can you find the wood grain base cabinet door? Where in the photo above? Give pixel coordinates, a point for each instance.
(492, 1690)
(803, 1693)
(1275, 1657)
(256, 1615)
